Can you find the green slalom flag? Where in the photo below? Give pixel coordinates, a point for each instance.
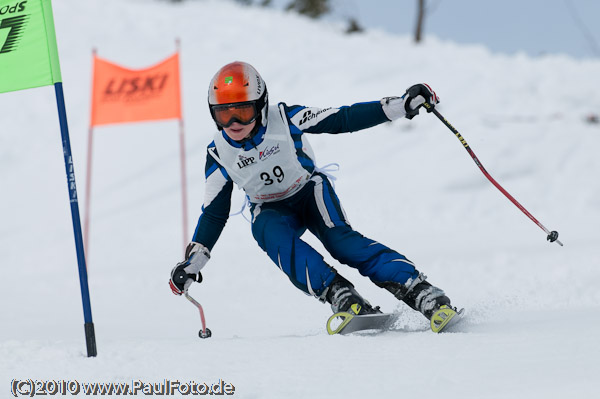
(29, 58)
(28, 51)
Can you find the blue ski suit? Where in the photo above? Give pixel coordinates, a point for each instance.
(288, 195)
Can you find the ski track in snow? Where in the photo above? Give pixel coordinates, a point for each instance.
(532, 307)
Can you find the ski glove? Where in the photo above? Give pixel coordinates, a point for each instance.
(416, 96)
(408, 105)
(188, 271)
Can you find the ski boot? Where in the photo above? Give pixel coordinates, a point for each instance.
(345, 303)
(423, 297)
(343, 298)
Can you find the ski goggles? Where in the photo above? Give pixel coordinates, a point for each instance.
(225, 115)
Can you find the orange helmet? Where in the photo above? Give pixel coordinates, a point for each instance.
(237, 93)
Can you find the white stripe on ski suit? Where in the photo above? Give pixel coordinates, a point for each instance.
(320, 201)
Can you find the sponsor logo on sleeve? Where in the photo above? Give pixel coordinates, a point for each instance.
(309, 114)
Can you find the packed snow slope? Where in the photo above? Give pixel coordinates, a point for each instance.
(532, 307)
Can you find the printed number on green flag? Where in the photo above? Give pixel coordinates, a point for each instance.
(28, 52)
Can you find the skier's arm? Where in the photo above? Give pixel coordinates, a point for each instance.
(217, 202)
(362, 115)
(215, 212)
(337, 120)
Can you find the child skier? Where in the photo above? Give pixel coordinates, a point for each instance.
(264, 150)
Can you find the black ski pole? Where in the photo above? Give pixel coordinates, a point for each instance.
(552, 236)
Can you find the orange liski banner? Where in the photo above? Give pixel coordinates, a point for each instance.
(133, 95)
(122, 95)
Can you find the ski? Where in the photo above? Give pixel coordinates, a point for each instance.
(349, 323)
(346, 323)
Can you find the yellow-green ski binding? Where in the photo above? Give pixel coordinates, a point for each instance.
(345, 318)
(352, 321)
(442, 318)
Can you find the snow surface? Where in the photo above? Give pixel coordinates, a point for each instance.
(533, 307)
